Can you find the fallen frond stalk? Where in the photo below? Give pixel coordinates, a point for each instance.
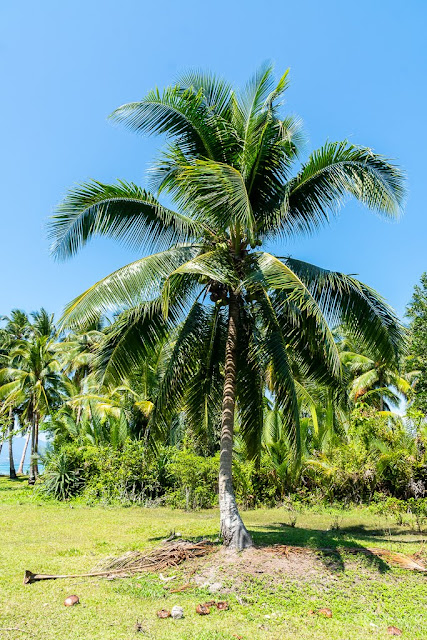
(166, 557)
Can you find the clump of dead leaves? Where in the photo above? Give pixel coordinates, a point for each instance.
(325, 612)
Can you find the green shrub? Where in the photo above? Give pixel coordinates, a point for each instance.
(395, 470)
(194, 480)
(62, 478)
(413, 509)
(418, 508)
(347, 472)
(131, 475)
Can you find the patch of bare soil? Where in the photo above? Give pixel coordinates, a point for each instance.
(225, 570)
(226, 566)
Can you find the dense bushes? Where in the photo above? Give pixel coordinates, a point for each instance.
(374, 454)
(132, 474)
(62, 478)
(411, 511)
(135, 474)
(193, 480)
(106, 474)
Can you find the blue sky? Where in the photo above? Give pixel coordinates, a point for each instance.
(357, 72)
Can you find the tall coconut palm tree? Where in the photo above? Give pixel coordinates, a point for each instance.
(32, 382)
(371, 379)
(17, 325)
(227, 168)
(17, 328)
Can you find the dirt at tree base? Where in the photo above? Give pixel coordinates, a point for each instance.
(197, 558)
(274, 564)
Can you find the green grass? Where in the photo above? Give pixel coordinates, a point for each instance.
(364, 594)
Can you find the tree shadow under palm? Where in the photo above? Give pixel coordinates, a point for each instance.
(329, 545)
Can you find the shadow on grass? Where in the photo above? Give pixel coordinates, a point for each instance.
(209, 537)
(375, 533)
(11, 484)
(330, 545)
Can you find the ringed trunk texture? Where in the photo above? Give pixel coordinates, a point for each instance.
(34, 468)
(12, 472)
(24, 453)
(381, 384)
(233, 531)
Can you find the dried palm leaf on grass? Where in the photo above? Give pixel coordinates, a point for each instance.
(174, 553)
(166, 557)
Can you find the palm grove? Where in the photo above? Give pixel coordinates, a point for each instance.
(211, 345)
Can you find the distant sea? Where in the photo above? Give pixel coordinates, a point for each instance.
(18, 447)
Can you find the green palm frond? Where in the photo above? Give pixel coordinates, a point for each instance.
(402, 385)
(309, 401)
(335, 170)
(252, 114)
(202, 401)
(133, 337)
(178, 113)
(356, 362)
(123, 211)
(295, 307)
(198, 274)
(215, 90)
(344, 300)
(127, 287)
(181, 367)
(250, 384)
(253, 98)
(363, 383)
(266, 163)
(273, 419)
(216, 194)
(283, 384)
(9, 391)
(278, 91)
(380, 397)
(215, 265)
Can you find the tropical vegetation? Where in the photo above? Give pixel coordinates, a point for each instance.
(365, 595)
(214, 371)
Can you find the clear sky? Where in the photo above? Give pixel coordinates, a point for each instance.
(357, 72)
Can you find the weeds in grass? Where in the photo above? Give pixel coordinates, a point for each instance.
(292, 520)
(362, 592)
(336, 523)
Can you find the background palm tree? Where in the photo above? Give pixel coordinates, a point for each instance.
(17, 327)
(371, 379)
(227, 167)
(31, 381)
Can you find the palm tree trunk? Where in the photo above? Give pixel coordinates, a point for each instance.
(380, 382)
(12, 472)
(233, 531)
(24, 452)
(34, 469)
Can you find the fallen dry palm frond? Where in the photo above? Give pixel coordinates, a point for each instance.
(166, 557)
(174, 553)
(391, 557)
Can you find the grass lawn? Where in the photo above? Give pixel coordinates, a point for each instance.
(267, 598)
